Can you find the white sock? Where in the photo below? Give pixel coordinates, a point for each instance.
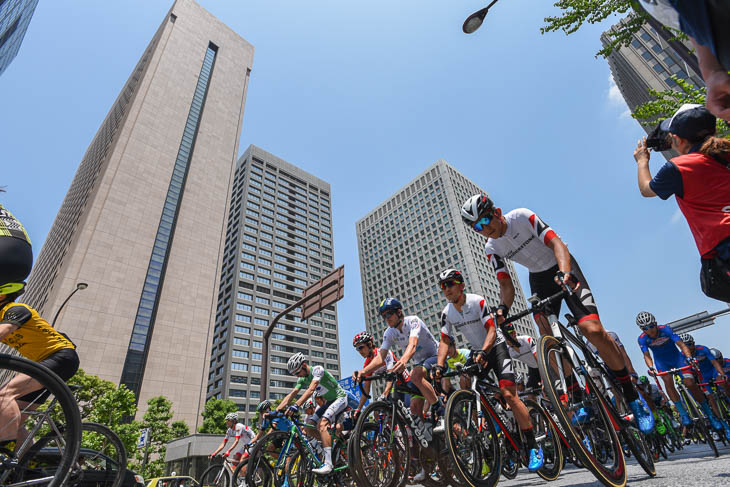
(328, 455)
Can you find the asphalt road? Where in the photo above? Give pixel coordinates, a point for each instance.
(693, 466)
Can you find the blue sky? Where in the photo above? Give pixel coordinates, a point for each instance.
(368, 95)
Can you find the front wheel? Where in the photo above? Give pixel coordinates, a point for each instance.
(215, 476)
(547, 438)
(472, 441)
(638, 445)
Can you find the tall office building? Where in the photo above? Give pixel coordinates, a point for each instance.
(15, 17)
(278, 241)
(647, 63)
(143, 220)
(410, 238)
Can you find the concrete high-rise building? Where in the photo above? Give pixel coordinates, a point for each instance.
(15, 17)
(143, 220)
(410, 238)
(648, 62)
(278, 241)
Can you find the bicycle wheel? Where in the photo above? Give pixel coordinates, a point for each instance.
(343, 471)
(56, 422)
(547, 439)
(595, 441)
(473, 442)
(382, 452)
(510, 463)
(215, 476)
(705, 434)
(639, 448)
(269, 459)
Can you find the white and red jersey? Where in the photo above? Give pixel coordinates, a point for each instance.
(525, 242)
(472, 321)
(527, 351)
(390, 360)
(615, 338)
(242, 433)
(412, 326)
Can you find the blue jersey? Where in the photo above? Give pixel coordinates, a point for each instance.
(726, 365)
(277, 421)
(662, 346)
(704, 359)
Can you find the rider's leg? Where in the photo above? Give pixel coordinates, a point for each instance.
(10, 416)
(418, 378)
(326, 440)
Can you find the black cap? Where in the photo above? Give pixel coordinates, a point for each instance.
(692, 122)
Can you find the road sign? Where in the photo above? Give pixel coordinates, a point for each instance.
(328, 290)
(351, 386)
(144, 438)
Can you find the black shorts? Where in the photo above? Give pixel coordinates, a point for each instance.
(533, 378)
(64, 363)
(582, 304)
(16, 259)
(498, 361)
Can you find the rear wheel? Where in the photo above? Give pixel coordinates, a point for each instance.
(547, 438)
(703, 432)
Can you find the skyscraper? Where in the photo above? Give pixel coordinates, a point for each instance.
(647, 63)
(278, 241)
(143, 220)
(410, 238)
(15, 16)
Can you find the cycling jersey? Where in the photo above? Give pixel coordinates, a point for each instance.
(242, 433)
(412, 327)
(726, 366)
(653, 393)
(704, 360)
(663, 345)
(473, 321)
(524, 242)
(615, 338)
(34, 339)
(277, 421)
(526, 352)
(327, 387)
(390, 361)
(462, 355)
(11, 227)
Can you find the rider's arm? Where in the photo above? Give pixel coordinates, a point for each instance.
(364, 397)
(235, 443)
(6, 329)
(443, 349)
(490, 338)
(410, 350)
(13, 318)
(684, 349)
(562, 254)
(376, 362)
(285, 402)
(718, 367)
(648, 360)
(506, 291)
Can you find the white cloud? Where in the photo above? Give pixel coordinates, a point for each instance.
(676, 217)
(616, 99)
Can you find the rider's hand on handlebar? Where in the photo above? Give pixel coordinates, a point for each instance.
(567, 279)
(481, 358)
(437, 371)
(652, 371)
(398, 367)
(292, 410)
(356, 376)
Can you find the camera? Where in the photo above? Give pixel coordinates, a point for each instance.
(658, 140)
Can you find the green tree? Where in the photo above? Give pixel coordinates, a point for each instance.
(157, 420)
(180, 429)
(91, 389)
(214, 415)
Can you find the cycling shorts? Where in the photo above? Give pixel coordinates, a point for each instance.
(16, 259)
(533, 378)
(63, 363)
(581, 305)
(498, 361)
(331, 409)
(428, 363)
(663, 364)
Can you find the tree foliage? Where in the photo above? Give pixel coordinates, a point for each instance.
(214, 415)
(157, 420)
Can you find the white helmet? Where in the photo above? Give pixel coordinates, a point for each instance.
(232, 417)
(645, 319)
(295, 362)
(475, 206)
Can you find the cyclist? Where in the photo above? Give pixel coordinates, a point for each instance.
(336, 400)
(526, 352)
(271, 420)
(725, 366)
(364, 343)
(16, 253)
(456, 357)
(470, 315)
(523, 237)
(22, 328)
(663, 343)
(241, 434)
(655, 398)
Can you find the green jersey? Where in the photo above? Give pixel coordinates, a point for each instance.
(462, 354)
(328, 387)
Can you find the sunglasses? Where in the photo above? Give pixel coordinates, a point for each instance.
(388, 314)
(483, 222)
(648, 327)
(361, 347)
(450, 283)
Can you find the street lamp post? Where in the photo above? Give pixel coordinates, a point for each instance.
(79, 286)
(475, 20)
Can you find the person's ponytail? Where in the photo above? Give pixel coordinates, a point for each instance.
(717, 148)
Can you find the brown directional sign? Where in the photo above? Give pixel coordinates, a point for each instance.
(324, 292)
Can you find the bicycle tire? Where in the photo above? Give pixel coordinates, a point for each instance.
(706, 432)
(510, 466)
(639, 448)
(484, 454)
(210, 477)
(553, 457)
(66, 415)
(260, 470)
(340, 457)
(388, 443)
(616, 476)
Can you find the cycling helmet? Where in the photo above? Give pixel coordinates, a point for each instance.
(362, 337)
(687, 339)
(717, 354)
(645, 319)
(263, 406)
(309, 404)
(16, 288)
(508, 328)
(389, 304)
(232, 417)
(449, 275)
(295, 362)
(643, 380)
(476, 206)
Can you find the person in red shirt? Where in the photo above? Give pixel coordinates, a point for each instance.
(700, 180)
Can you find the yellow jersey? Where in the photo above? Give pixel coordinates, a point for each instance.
(34, 339)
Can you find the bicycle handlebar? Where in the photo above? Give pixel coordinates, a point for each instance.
(389, 376)
(670, 371)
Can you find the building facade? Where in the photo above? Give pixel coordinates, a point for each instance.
(278, 241)
(411, 237)
(15, 17)
(143, 220)
(647, 63)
